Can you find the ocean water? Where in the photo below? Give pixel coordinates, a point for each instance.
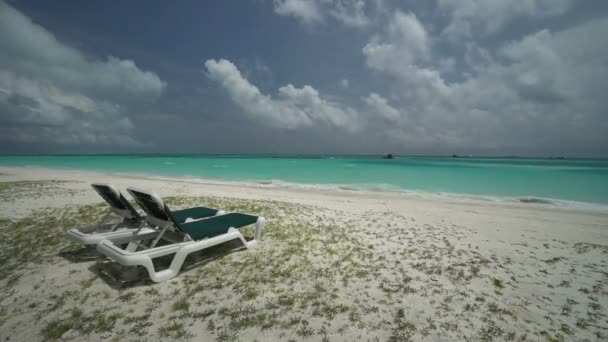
(535, 180)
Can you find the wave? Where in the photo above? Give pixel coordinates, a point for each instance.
(394, 190)
(535, 200)
(540, 202)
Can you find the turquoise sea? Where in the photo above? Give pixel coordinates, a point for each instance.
(580, 180)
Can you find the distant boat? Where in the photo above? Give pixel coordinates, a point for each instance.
(388, 156)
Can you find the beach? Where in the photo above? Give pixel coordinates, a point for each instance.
(333, 265)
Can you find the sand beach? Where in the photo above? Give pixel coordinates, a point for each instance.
(339, 265)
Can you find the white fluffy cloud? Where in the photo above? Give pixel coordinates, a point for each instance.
(350, 13)
(292, 108)
(51, 92)
(305, 10)
(541, 91)
(474, 17)
(404, 42)
(380, 105)
(35, 111)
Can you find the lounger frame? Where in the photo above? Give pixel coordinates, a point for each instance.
(131, 224)
(181, 250)
(144, 257)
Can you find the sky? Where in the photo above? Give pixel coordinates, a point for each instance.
(437, 77)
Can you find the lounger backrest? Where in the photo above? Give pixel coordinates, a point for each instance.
(151, 204)
(115, 199)
(217, 225)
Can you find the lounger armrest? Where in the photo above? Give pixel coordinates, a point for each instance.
(193, 213)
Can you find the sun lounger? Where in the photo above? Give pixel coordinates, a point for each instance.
(131, 224)
(196, 235)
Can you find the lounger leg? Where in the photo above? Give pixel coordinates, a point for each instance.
(155, 241)
(183, 252)
(172, 271)
(132, 246)
(149, 266)
(115, 226)
(237, 235)
(259, 227)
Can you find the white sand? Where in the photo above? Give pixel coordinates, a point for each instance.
(426, 269)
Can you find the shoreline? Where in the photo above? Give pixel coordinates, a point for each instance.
(373, 191)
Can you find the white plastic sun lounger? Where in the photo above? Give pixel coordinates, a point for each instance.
(197, 235)
(131, 224)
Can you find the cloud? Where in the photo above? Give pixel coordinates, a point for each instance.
(51, 92)
(307, 11)
(380, 105)
(535, 94)
(473, 17)
(403, 42)
(344, 83)
(292, 108)
(350, 13)
(34, 111)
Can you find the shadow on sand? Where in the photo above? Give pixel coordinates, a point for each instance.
(118, 276)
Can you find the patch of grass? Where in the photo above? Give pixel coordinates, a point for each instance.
(54, 330)
(403, 330)
(202, 314)
(305, 331)
(99, 322)
(151, 291)
(582, 323)
(553, 260)
(127, 297)
(490, 331)
(138, 324)
(286, 300)
(75, 313)
(181, 304)
(86, 283)
(330, 311)
(251, 293)
(174, 330)
(551, 337)
(61, 300)
(495, 309)
(497, 283)
(15, 237)
(12, 281)
(226, 334)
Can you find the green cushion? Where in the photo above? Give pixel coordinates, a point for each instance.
(194, 213)
(217, 225)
